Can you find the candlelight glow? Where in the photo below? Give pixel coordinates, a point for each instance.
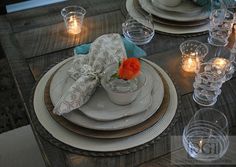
(220, 63)
(200, 145)
(190, 63)
(73, 25)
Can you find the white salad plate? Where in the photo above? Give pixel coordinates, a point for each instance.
(99, 107)
(186, 7)
(95, 144)
(174, 16)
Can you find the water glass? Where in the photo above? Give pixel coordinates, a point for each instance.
(221, 23)
(205, 137)
(136, 32)
(73, 17)
(208, 81)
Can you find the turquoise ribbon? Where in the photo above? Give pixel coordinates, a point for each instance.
(132, 50)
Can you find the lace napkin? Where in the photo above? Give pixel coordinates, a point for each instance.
(86, 70)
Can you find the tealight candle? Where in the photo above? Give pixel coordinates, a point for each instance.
(73, 17)
(73, 25)
(220, 63)
(190, 62)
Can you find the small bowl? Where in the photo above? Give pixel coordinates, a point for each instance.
(121, 98)
(138, 33)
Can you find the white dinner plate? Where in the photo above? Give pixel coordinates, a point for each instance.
(161, 27)
(174, 16)
(99, 107)
(100, 145)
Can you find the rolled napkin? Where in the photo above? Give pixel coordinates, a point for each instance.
(86, 70)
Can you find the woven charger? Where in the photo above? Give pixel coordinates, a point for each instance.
(65, 139)
(107, 134)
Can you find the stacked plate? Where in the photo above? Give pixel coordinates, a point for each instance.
(100, 125)
(181, 19)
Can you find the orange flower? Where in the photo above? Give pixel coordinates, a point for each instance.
(129, 69)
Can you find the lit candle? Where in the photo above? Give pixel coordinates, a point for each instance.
(200, 145)
(220, 63)
(190, 63)
(73, 25)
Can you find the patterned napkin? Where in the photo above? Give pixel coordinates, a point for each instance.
(86, 70)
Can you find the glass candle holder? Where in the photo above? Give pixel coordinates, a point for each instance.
(205, 137)
(223, 59)
(208, 81)
(193, 52)
(73, 17)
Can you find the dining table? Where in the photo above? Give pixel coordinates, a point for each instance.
(35, 40)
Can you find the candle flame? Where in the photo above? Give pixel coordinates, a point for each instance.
(220, 63)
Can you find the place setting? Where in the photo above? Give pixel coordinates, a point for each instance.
(107, 97)
(126, 123)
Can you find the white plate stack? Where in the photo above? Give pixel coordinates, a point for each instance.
(100, 125)
(184, 18)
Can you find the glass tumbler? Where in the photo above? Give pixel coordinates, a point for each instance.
(139, 33)
(221, 24)
(207, 85)
(73, 17)
(205, 137)
(193, 52)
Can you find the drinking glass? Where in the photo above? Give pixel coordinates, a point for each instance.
(73, 17)
(221, 23)
(208, 81)
(205, 137)
(136, 32)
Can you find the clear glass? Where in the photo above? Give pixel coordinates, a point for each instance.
(121, 92)
(205, 137)
(73, 17)
(193, 52)
(224, 58)
(208, 81)
(136, 32)
(221, 24)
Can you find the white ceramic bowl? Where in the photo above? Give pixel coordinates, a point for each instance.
(121, 98)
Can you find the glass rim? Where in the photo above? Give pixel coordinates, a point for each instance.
(65, 9)
(226, 126)
(196, 41)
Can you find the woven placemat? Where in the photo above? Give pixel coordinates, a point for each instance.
(46, 135)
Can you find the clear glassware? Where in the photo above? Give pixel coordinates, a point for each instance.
(193, 52)
(205, 137)
(136, 32)
(223, 57)
(73, 17)
(221, 24)
(208, 81)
